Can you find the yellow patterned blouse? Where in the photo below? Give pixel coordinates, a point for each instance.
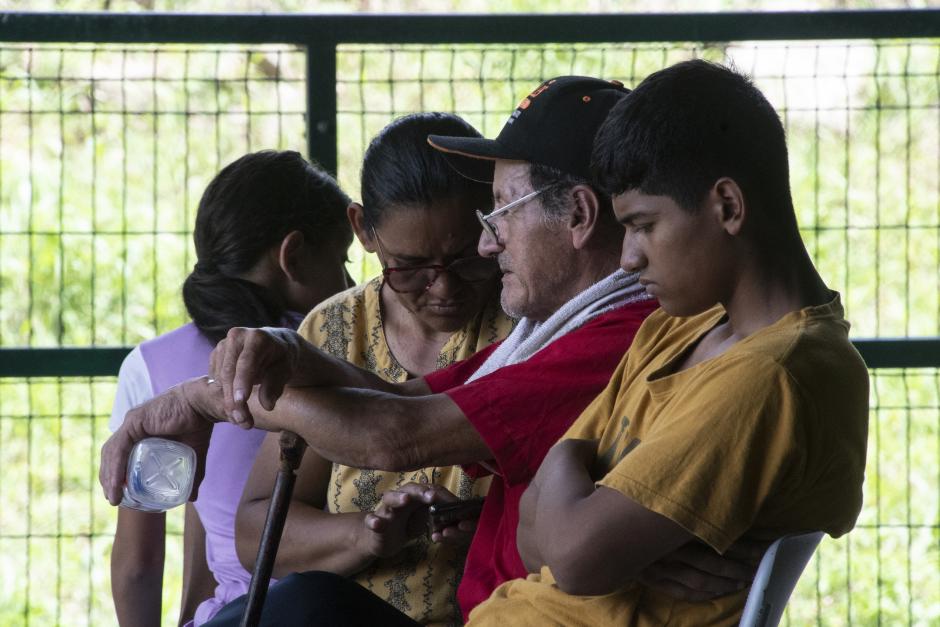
(421, 581)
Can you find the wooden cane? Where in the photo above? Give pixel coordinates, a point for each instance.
(292, 451)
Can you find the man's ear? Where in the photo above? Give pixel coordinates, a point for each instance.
(584, 216)
(726, 200)
(290, 256)
(357, 220)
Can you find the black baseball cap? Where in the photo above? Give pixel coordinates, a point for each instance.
(555, 126)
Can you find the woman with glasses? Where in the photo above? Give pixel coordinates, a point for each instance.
(436, 302)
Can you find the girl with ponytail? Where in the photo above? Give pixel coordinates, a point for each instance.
(271, 236)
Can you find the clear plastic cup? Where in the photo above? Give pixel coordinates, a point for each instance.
(159, 475)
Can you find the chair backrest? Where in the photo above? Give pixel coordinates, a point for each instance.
(779, 570)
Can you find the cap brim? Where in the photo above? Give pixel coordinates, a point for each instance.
(472, 157)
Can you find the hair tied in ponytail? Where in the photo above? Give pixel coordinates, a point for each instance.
(205, 267)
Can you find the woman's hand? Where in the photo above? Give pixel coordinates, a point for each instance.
(459, 532)
(400, 516)
(403, 515)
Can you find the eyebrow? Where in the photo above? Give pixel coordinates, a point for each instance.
(470, 248)
(407, 258)
(511, 192)
(634, 216)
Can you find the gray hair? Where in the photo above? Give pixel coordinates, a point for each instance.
(554, 203)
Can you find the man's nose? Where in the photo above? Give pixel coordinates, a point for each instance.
(488, 246)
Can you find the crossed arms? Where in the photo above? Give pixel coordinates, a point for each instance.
(595, 540)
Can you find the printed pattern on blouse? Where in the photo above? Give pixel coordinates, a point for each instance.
(422, 580)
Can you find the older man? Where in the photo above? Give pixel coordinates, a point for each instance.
(500, 411)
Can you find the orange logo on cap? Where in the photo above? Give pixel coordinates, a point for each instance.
(527, 101)
(540, 89)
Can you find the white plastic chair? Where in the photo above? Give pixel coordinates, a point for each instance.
(779, 570)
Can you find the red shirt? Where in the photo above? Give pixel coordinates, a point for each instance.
(520, 411)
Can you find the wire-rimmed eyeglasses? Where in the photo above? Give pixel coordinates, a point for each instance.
(485, 220)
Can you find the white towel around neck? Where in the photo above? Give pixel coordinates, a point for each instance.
(529, 336)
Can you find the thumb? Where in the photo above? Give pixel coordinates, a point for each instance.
(269, 391)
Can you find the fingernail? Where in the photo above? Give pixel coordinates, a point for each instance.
(239, 395)
(237, 416)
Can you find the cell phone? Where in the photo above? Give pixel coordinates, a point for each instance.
(441, 515)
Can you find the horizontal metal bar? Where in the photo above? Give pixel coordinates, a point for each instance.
(900, 352)
(504, 28)
(105, 362)
(61, 362)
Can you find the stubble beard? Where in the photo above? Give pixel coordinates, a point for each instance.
(510, 311)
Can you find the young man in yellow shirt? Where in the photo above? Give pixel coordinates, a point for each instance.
(741, 408)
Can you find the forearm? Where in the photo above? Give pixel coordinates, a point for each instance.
(561, 490)
(312, 540)
(137, 597)
(370, 429)
(316, 368)
(137, 568)
(198, 581)
(594, 539)
(525, 533)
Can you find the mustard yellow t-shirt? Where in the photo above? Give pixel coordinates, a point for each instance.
(421, 581)
(768, 438)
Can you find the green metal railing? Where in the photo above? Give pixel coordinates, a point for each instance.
(111, 125)
(320, 37)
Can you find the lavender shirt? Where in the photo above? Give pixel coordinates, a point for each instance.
(159, 364)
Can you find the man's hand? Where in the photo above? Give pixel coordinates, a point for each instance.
(265, 357)
(185, 413)
(695, 572)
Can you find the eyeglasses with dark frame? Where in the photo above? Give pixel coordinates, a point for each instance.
(406, 279)
(489, 228)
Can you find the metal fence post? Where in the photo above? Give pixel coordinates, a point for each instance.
(321, 103)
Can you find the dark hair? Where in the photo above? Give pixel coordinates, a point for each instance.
(554, 202)
(251, 205)
(401, 168)
(686, 126)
